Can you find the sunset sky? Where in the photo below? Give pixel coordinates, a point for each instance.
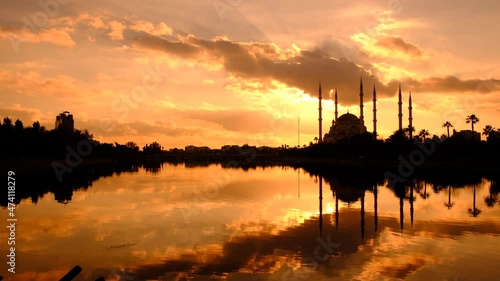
(240, 71)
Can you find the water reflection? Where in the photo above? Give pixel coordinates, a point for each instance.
(169, 222)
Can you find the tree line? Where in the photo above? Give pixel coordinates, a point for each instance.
(36, 142)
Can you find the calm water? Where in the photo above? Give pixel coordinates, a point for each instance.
(266, 224)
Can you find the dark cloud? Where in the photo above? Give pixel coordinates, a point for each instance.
(263, 61)
(157, 43)
(453, 84)
(398, 44)
(304, 69)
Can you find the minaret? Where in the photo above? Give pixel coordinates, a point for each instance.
(320, 139)
(400, 115)
(374, 113)
(410, 118)
(336, 106)
(361, 118)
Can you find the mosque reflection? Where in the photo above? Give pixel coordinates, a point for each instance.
(352, 212)
(353, 231)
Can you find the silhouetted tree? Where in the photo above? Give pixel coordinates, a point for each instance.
(152, 148)
(36, 126)
(132, 145)
(487, 130)
(447, 124)
(7, 123)
(407, 131)
(18, 126)
(472, 119)
(423, 134)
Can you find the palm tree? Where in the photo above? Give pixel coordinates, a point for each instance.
(447, 124)
(488, 129)
(423, 134)
(407, 131)
(473, 119)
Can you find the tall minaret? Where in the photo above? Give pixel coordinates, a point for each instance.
(320, 139)
(361, 118)
(336, 106)
(374, 113)
(410, 118)
(400, 105)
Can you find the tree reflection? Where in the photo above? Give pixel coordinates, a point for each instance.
(492, 198)
(474, 211)
(449, 204)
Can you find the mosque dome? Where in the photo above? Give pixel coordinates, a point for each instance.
(346, 126)
(347, 118)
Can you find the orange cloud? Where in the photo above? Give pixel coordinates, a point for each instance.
(388, 47)
(57, 36)
(399, 45)
(34, 84)
(117, 29)
(148, 27)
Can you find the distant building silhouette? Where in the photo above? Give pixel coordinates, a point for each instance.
(467, 135)
(65, 120)
(196, 149)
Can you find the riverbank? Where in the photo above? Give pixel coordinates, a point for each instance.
(487, 166)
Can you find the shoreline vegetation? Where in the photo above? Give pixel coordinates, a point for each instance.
(36, 149)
